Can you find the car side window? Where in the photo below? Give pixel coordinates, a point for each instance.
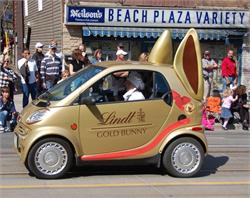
(161, 88)
(147, 85)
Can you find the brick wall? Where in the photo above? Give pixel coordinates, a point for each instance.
(45, 24)
(72, 37)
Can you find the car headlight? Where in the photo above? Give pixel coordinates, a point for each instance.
(37, 116)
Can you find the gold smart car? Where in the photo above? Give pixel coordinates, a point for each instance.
(120, 112)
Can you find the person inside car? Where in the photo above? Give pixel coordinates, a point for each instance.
(134, 85)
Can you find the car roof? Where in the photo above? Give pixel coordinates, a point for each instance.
(108, 64)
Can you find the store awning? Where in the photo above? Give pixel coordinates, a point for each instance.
(206, 34)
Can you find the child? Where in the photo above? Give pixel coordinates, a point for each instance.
(7, 109)
(226, 105)
(65, 74)
(212, 110)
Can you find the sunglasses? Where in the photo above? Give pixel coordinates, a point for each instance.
(6, 61)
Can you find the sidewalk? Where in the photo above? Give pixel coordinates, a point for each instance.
(18, 98)
(234, 127)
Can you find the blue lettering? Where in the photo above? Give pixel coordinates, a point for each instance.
(111, 15)
(206, 18)
(163, 17)
(188, 18)
(221, 16)
(127, 16)
(171, 17)
(214, 21)
(119, 14)
(233, 13)
(136, 16)
(241, 17)
(179, 19)
(198, 16)
(144, 16)
(156, 15)
(227, 18)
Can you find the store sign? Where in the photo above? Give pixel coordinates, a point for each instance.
(145, 17)
(85, 15)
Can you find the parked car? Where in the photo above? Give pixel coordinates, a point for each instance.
(84, 119)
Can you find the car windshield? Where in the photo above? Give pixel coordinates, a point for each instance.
(67, 86)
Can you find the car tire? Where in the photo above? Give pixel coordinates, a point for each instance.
(183, 157)
(50, 158)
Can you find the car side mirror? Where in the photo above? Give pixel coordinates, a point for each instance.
(89, 100)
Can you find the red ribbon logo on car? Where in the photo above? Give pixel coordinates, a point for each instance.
(180, 101)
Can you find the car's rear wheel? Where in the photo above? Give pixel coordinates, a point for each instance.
(50, 158)
(183, 157)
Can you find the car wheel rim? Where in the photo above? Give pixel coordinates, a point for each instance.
(51, 158)
(185, 158)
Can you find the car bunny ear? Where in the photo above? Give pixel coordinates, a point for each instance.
(162, 52)
(187, 64)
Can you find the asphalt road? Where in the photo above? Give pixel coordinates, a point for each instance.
(226, 173)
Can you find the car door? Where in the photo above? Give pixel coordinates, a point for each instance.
(114, 126)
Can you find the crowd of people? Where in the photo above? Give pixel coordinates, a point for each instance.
(41, 71)
(233, 98)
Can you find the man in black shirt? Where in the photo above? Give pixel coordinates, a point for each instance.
(38, 57)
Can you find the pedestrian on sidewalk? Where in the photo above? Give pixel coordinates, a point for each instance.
(229, 70)
(51, 68)
(227, 101)
(7, 109)
(83, 49)
(97, 57)
(58, 53)
(28, 70)
(241, 106)
(65, 75)
(7, 76)
(38, 57)
(77, 62)
(208, 66)
(143, 57)
(120, 55)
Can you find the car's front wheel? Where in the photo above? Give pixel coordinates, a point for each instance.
(50, 158)
(183, 157)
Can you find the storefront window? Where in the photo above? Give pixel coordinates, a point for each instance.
(109, 48)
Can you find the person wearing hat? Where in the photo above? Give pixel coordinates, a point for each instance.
(120, 55)
(134, 85)
(38, 57)
(58, 53)
(51, 68)
(208, 66)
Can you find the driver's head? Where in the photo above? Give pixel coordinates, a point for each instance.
(134, 81)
